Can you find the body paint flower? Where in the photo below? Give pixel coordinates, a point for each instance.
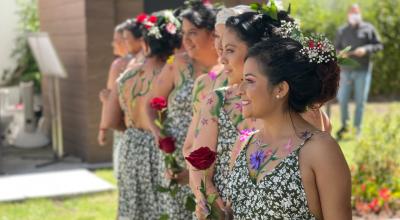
(256, 159)
(245, 133)
(213, 75)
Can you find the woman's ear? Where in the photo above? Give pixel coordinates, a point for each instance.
(281, 90)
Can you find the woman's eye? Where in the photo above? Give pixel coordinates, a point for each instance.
(249, 81)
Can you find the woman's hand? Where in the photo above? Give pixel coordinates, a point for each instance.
(102, 137)
(202, 211)
(182, 177)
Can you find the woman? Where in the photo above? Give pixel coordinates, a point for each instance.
(113, 118)
(175, 82)
(139, 157)
(221, 118)
(289, 169)
(206, 83)
(117, 67)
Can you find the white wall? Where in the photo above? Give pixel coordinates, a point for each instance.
(8, 33)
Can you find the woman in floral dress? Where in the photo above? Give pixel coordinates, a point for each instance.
(175, 82)
(139, 155)
(221, 118)
(289, 169)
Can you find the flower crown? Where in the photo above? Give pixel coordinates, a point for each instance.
(154, 24)
(316, 47)
(194, 3)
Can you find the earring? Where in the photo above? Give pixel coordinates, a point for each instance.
(277, 96)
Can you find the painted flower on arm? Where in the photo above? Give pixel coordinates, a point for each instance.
(213, 75)
(245, 133)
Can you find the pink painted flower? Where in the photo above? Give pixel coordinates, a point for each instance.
(244, 134)
(268, 152)
(213, 75)
(239, 106)
(171, 28)
(288, 147)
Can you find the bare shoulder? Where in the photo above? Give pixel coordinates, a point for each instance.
(322, 150)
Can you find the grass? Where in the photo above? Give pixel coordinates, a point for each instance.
(102, 206)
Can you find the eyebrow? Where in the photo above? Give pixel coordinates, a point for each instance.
(230, 45)
(250, 74)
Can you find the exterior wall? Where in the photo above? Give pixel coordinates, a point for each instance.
(8, 33)
(81, 31)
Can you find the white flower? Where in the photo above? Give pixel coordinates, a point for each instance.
(154, 31)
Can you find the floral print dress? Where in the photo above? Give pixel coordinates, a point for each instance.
(179, 116)
(227, 136)
(279, 195)
(138, 167)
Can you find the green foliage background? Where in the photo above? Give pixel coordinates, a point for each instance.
(325, 16)
(27, 68)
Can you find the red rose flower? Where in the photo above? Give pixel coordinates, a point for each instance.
(152, 19)
(167, 145)
(141, 17)
(311, 44)
(202, 158)
(384, 193)
(158, 103)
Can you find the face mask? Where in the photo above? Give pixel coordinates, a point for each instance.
(354, 19)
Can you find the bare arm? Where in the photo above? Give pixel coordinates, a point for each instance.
(113, 115)
(162, 86)
(332, 178)
(207, 136)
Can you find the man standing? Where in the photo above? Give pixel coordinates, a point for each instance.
(364, 41)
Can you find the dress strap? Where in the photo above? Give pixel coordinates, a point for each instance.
(305, 136)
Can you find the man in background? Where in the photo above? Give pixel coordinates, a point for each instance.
(363, 39)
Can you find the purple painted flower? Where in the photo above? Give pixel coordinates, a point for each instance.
(239, 106)
(305, 135)
(244, 134)
(213, 75)
(256, 159)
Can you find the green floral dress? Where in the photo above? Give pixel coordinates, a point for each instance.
(227, 135)
(279, 195)
(179, 116)
(138, 173)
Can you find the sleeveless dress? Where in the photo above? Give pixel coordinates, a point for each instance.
(138, 168)
(227, 135)
(279, 195)
(179, 116)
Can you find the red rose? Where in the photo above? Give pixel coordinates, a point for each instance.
(158, 103)
(311, 44)
(152, 19)
(167, 145)
(141, 17)
(202, 158)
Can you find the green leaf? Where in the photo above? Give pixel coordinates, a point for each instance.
(211, 198)
(203, 187)
(164, 217)
(174, 191)
(158, 124)
(347, 62)
(162, 189)
(255, 6)
(190, 203)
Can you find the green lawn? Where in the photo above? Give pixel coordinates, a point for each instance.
(103, 205)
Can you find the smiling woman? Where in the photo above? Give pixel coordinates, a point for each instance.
(295, 171)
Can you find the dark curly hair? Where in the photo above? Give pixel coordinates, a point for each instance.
(199, 14)
(163, 46)
(134, 28)
(252, 27)
(310, 84)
